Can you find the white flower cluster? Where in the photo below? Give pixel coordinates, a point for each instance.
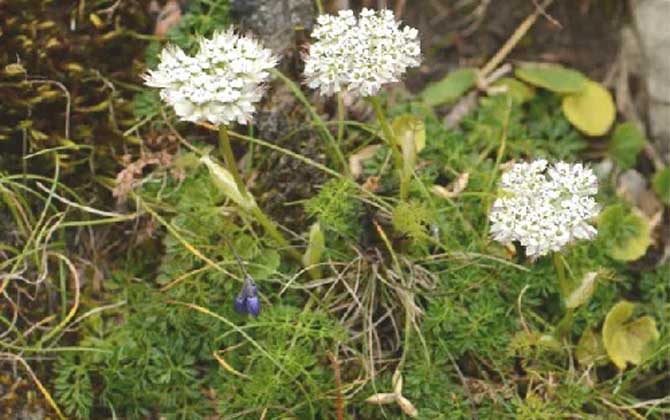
(359, 55)
(220, 84)
(545, 207)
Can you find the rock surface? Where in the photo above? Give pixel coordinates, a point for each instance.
(651, 17)
(274, 21)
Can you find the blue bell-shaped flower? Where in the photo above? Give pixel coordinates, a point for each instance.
(240, 303)
(253, 306)
(247, 302)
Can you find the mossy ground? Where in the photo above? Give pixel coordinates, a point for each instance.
(122, 305)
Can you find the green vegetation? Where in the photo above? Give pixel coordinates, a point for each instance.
(115, 262)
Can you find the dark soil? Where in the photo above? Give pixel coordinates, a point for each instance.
(574, 33)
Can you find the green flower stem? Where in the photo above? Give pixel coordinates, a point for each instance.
(565, 324)
(229, 158)
(269, 226)
(332, 143)
(392, 143)
(271, 229)
(560, 272)
(340, 118)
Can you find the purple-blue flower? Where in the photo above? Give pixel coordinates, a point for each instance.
(247, 300)
(253, 306)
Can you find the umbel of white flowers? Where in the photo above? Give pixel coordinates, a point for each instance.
(359, 55)
(545, 207)
(220, 84)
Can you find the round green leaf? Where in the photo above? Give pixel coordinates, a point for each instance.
(552, 77)
(661, 185)
(591, 110)
(626, 235)
(627, 342)
(449, 89)
(627, 142)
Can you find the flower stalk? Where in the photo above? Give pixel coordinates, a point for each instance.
(336, 154)
(560, 274)
(272, 230)
(565, 324)
(229, 158)
(390, 139)
(235, 190)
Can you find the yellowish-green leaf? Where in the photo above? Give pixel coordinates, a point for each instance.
(407, 127)
(552, 77)
(410, 134)
(661, 185)
(520, 92)
(38, 135)
(590, 110)
(449, 89)
(14, 69)
(583, 292)
(625, 234)
(590, 349)
(627, 142)
(96, 21)
(74, 67)
(314, 251)
(627, 342)
(224, 180)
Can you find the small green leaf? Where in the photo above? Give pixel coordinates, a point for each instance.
(583, 292)
(590, 349)
(14, 69)
(627, 142)
(408, 126)
(627, 342)
(226, 183)
(626, 235)
(410, 134)
(315, 248)
(661, 185)
(449, 89)
(519, 91)
(590, 110)
(552, 77)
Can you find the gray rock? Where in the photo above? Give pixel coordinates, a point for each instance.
(652, 18)
(274, 21)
